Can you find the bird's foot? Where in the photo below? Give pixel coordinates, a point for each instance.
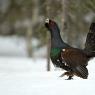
(69, 78)
(70, 74)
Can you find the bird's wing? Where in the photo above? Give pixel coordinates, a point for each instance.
(77, 60)
(74, 57)
(90, 40)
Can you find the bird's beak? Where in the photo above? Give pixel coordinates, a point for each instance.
(47, 20)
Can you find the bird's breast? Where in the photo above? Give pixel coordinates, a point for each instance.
(54, 53)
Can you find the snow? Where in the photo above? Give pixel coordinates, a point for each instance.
(12, 46)
(24, 76)
(17, 47)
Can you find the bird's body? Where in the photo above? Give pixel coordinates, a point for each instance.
(73, 60)
(77, 60)
(70, 59)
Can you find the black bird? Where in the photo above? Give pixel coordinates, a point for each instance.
(90, 40)
(73, 60)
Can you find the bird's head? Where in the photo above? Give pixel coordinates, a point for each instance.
(92, 27)
(51, 25)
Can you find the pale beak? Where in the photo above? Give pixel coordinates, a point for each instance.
(47, 20)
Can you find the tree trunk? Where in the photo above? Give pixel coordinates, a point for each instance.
(48, 55)
(65, 21)
(28, 39)
(30, 28)
(49, 42)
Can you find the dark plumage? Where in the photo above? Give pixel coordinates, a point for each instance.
(73, 60)
(90, 40)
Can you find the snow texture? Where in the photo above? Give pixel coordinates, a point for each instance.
(23, 76)
(17, 47)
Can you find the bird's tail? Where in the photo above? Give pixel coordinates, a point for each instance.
(90, 40)
(90, 54)
(82, 72)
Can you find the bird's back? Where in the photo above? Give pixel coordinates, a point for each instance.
(77, 60)
(74, 57)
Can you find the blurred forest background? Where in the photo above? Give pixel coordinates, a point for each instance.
(22, 31)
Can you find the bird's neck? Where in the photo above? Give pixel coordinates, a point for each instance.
(56, 40)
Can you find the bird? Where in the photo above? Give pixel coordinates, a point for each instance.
(90, 39)
(66, 57)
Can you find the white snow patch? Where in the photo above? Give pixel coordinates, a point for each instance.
(17, 47)
(23, 76)
(12, 46)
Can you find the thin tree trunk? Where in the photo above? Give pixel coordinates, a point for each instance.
(48, 55)
(48, 44)
(28, 39)
(30, 29)
(65, 21)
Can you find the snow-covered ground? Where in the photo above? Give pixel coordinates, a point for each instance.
(23, 76)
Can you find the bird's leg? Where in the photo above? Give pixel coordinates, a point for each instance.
(69, 78)
(70, 74)
(66, 73)
(62, 75)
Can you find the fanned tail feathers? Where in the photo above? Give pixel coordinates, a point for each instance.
(81, 71)
(90, 40)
